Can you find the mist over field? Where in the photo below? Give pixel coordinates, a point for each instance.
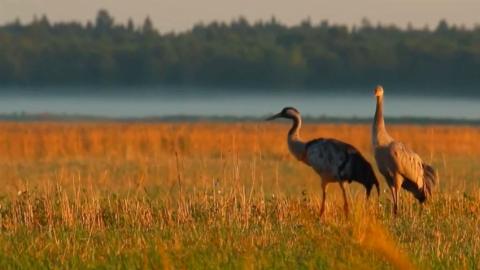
(172, 103)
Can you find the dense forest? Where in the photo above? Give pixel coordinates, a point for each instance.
(236, 53)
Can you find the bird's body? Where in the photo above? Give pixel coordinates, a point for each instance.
(337, 161)
(401, 167)
(333, 160)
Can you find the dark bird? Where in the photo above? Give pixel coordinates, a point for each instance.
(401, 167)
(333, 160)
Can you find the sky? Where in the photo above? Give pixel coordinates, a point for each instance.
(180, 15)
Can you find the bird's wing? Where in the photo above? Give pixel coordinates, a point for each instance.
(408, 163)
(326, 156)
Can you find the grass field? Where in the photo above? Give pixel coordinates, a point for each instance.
(182, 196)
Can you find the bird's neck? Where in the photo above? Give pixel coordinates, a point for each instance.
(295, 144)
(380, 135)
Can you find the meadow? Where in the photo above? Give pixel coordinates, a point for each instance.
(220, 196)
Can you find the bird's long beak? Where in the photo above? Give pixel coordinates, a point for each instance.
(273, 117)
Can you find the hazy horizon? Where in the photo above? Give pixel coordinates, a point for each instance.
(352, 102)
(170, 15)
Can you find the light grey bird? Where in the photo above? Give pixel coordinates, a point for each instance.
(333, 160)
(401, 167)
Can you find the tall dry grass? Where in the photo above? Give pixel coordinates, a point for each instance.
(47, 141)
(157, 153)
(205, 195)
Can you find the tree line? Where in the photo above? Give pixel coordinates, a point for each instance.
(236, 53)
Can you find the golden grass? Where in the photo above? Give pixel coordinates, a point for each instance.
(149, 141)
(197, 152)
(222, 195)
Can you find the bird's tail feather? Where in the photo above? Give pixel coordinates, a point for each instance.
(360, 170)
(377, 186)
(418, 192)
(430, 178)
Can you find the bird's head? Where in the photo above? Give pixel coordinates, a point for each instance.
(379, 91)
(287, 112)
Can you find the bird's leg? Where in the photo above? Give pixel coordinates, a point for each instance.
(397, 200)
(398, 180)
(345, 205)
(394, 197)
(421, 208)
(324, 196)
(367, 203)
